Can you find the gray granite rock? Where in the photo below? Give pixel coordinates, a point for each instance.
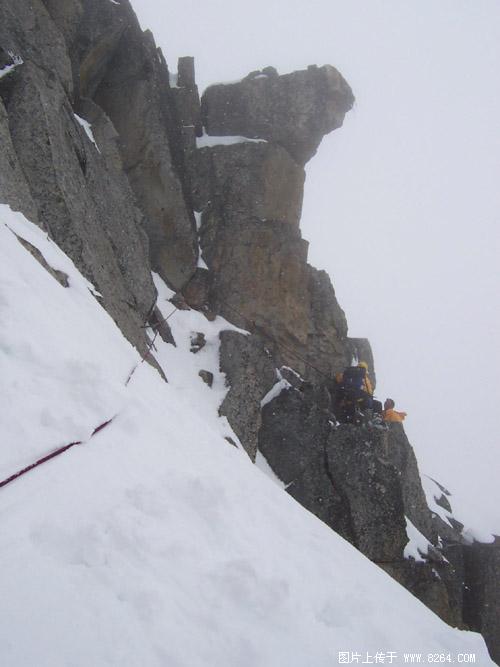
(248, 181)
(134, 92)
(400, 453)
(335, 472)
(92, 30)
(187, 103)
(84, 204)
(372, 487)
(198, 341)
(61, 277)
(293, 439)
(197, 291)
(28, 32)
(437, 587)
(482, 593)
(14, 189)
(207, 377)
(160, 324)
(327, 346)
(250, 374)
(259, 279)
(294, 110)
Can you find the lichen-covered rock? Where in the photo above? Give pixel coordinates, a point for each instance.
(294, 110)
(250, 374)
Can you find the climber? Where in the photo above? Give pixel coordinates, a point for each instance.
(369, 403)
(353, 394)
(391, 415)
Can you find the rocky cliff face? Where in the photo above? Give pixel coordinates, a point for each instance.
(129, 171)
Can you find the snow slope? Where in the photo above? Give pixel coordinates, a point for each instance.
(157, 542)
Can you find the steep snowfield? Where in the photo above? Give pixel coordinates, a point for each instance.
(157, 543)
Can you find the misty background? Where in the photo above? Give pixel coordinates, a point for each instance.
(401, 204)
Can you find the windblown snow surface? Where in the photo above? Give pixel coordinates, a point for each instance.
(157, 543)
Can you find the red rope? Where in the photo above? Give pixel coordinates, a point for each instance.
(99, 428)
(53, 454)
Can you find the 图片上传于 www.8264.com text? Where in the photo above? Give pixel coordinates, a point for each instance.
(394, 658)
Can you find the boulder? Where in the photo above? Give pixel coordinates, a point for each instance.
(207, 377)
(294, 110)
(198, 341)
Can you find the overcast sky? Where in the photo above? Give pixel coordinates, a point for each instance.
(402, 204)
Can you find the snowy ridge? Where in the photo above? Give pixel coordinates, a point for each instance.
(158, 543)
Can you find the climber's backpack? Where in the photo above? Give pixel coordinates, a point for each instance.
(353, 379)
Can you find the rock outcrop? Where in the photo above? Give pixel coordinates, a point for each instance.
(134, 93)
(335, 471)
(250, 194)
(250, 375)
(119, 67)
(99, 147)
(482, 593)
(295, 110)
(400, 453)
